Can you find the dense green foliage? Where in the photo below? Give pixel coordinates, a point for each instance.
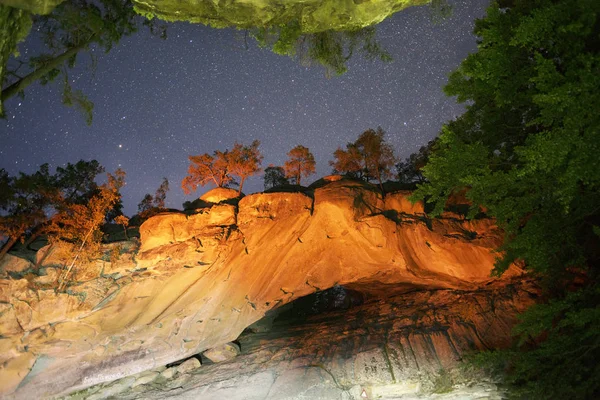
(527, 149)
(15, 24)
(329, 49)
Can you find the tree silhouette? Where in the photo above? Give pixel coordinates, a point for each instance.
(33, 204)
(24, 204)
(124, 222)
(410, 170)
(300, 163)
(274, 177)
(151, 205)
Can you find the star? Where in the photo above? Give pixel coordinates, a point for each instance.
(186, 103)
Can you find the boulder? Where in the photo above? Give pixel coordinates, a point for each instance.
(218, 195)
(12, 265)
(188, 365)
(222, 353)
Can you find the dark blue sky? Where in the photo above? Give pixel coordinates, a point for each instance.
(158, 101)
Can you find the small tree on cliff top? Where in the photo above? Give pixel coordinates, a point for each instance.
(151, 205)
(301, 163)
(369, 157)
(205, 169)
(244, 161)
(219, 169)
(274, 177)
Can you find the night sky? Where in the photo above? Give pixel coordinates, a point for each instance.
(158, 101)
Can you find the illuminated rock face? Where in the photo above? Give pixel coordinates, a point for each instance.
(312, 15)
(198, 280)
(406, 345)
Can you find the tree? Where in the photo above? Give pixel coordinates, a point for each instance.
(151, 205)
(369, 157)
(25, 203)
(331, 49)
(124, 222)
(526, 149)
(220, 168)
(205, 169)
(79, 224)
(72, 27)
(378, 155)
(348, 162)
(300, 163)
(244, 161)
(77, 181)
(274, 177)
(410, 170)
(161, 194)
(31, 204)
(146, 204)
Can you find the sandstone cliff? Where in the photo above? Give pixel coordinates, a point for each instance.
(198, 279)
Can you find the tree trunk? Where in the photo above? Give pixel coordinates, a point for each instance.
(241, 185)
(36, 234)
(27, 80)
(10, 243)
(380, 183)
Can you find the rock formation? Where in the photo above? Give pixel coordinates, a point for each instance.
(311, 15)
(198, 279)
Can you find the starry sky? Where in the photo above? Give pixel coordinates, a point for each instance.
(158, 101)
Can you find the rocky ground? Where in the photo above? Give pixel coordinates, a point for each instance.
(404, 347)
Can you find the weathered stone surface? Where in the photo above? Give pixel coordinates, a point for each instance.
(188, 365)
(198, 281)
(145, 378)
(404, 347)
(221, 353)
(10, 264)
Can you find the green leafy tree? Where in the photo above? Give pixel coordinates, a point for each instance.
(527, 150)
(330, 49)
(300, 163)
(274, 177)
(72, 27)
